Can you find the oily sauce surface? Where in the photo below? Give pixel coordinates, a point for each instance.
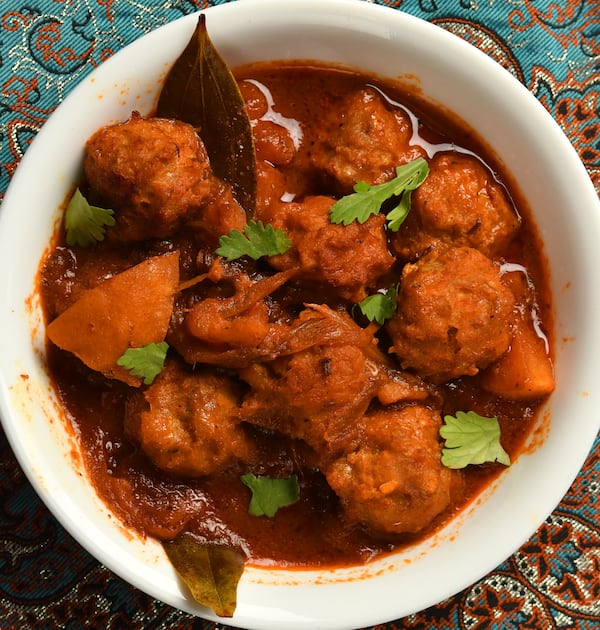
(315, 531)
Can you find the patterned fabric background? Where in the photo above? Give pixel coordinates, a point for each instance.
(46, 579)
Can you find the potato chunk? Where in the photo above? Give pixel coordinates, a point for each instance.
(131, 309)
(525, 371)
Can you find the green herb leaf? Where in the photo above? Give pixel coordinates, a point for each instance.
(211, 572)
(396, 216)
(201, 90)
(367, 200)
(380, 306)
(86, 224)
(146, 361)
(471, 439)
(257, 240)
(270, 494)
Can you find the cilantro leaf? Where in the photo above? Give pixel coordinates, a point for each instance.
(256, 240)
(471, 439)
(380, 306)
(396, 216)
(86, 224)
(146, 361)
(270, 494)
(367, 200)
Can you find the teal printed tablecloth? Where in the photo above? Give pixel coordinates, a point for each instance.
(46, 579)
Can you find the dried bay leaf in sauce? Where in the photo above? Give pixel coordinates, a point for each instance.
(201, 90)
(211, 571)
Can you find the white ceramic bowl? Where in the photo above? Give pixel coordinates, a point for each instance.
(551, 177)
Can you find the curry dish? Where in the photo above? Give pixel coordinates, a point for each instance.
(272, 369)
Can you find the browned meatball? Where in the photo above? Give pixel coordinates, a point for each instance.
(393, 481)
(314, 395)
(275, 136)
(364, 140)
(187, 422)
(317, 392)
(153, 173)
(460, 203)
(270, 188)
(453, 314)
(349, 259)
(272, 142)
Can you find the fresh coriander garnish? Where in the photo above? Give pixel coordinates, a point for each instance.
(146, 361)
(367, 200)
(269, 493)
(86, 224)
(255, 241)
(471, 439)
(380, 306)
(395, 217)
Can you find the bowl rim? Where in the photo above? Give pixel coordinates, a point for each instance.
(250, 616)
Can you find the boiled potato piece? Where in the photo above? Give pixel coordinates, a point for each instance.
(525, 371)
(129, 310)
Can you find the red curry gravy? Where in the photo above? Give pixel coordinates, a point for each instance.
(313, 531)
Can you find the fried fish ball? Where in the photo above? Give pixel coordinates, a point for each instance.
(453, 316)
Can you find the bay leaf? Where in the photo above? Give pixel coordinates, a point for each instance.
(210, 571)
(201, 90)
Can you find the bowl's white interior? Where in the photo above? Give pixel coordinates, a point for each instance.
(551, 178)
